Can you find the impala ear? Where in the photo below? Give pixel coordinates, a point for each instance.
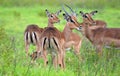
(47, 12)
(82, 14)
(57, 13)
(66, 17)
(64, 14)
(93, 12)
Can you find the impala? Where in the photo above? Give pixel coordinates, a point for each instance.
(31, 36)
(52, 41)
(101, 37)
(71, 39)
(88, 17)
(33, 32)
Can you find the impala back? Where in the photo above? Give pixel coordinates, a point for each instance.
(50, 39)
(107, 36)
(32, 33)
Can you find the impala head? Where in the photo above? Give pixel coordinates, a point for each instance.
(81, 26)
(53, 17)
(71, 19)
(87, 17)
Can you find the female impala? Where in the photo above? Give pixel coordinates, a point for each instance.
(88, 17)
(31, 36)
(101, 37)
(33, 32)
(52, 40)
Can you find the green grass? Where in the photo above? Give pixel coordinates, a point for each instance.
(13, 61)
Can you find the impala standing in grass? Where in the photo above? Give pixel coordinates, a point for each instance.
(100, 37)
(31, 36)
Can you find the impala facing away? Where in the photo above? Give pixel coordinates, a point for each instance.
(52, 41)
(33, 32)
(101, 37)
(88, 17)
(31, 36)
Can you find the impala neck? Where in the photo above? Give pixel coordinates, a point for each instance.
(67, 32)
(50, 24)
(88, 32)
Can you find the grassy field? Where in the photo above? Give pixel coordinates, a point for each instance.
(13, 62)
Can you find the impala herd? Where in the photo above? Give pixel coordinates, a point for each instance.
(51, 40)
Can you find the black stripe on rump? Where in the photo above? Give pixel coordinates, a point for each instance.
(35, 36)
(26, 35)
(55, 42)
(31, 39)
(44, 42)
(49, 43)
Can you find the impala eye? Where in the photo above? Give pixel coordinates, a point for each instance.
(85, 16)
(80, 26)
(51, 16)
(72, 21)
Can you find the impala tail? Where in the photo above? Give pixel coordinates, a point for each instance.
(50, 43)
(31, 37)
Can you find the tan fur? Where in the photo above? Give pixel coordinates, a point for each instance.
(102, 36)
(52, 40)
(97, 23)
(72, 39)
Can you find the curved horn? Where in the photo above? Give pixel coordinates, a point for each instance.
(70, 8)
(64, 10)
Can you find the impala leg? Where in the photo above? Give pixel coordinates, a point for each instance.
(76, 50)
(45, 57)
(77, 47)
(63, 59)
(54, 60)
(38, 49)
(60, 59)
(61, 54)
(99, 50)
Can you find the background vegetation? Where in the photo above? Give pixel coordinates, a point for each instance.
(80, 3)
(15, 15)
